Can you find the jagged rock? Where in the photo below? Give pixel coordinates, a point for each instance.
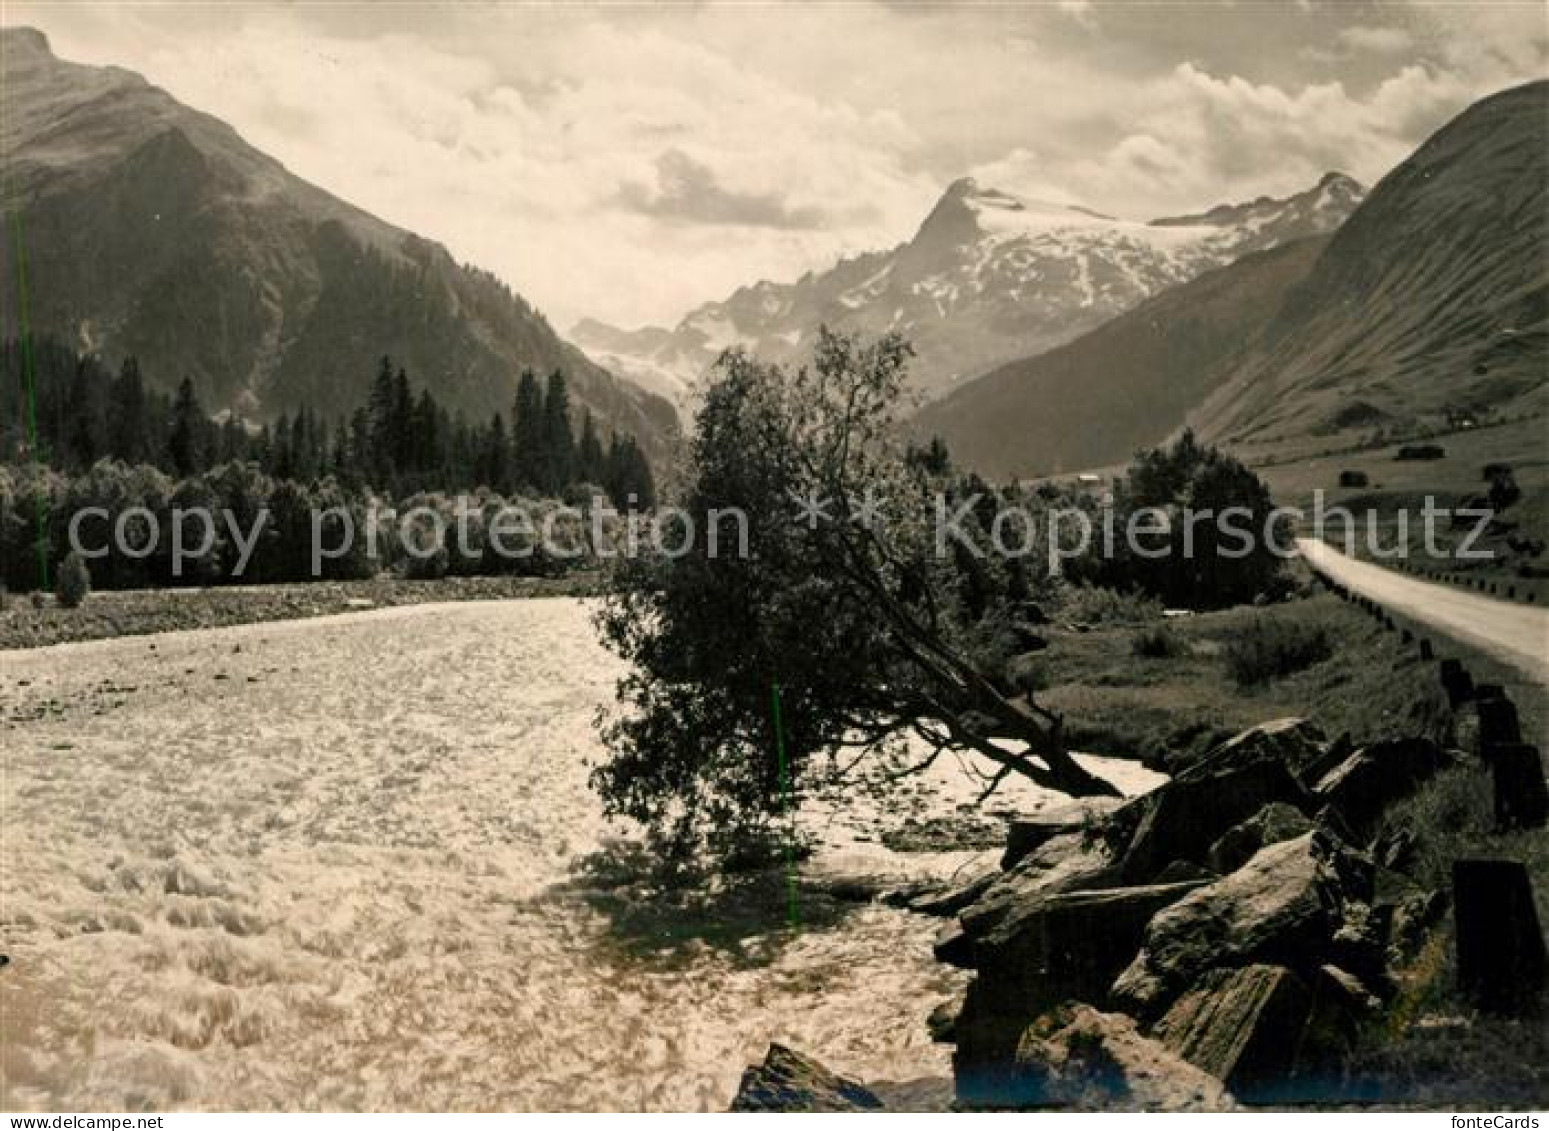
(789, 1081)
(1359, 943)
(1314, 771)
(1066, 863)
(954, 946)
(1364, 785)
(1027, 834)
(949, 900)
(1182, 818)
(1272, 824)
(1285, 905)
(1271, 1035)
(1243, 1026)
(1521, 796)
(1396, 849)
(1501, 958)
(1180, 870)
(942, 1022)
(1063, 945)
(1341, 1004)
(1294, 742)
(1080, 1058)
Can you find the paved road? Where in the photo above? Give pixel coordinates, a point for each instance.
(1513, 633)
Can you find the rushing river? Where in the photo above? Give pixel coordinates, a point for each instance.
(353, 863)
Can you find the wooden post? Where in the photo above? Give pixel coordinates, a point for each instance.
(1500, 946)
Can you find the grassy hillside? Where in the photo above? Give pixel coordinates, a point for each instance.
(1456, 479)
(1429, 306)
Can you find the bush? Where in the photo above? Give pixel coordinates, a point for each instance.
(1504, 490)
(421, 566)
(74, 581)
(1271, 649)
(1158, 643)
(1421, 451)
(1354, 479)
(1097, 604)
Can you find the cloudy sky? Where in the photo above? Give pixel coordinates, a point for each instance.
(629, 162)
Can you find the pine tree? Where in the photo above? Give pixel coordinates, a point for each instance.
(426, 430)
(281, 454)
(627, 475)
(379, 463)
(127, 423)
(186, 444)
(527, 424)
(558, 440)
(403, 423)
(495, 462)
(87, 437)
(339, 464)
(589, 454)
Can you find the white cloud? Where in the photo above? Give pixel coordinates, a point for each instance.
(1381, 40)
(632, 162)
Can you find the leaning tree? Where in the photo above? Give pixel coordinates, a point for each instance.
(887, 636)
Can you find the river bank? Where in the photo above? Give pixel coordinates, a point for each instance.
(26, 623)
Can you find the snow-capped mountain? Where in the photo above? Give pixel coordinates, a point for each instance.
(989, 277)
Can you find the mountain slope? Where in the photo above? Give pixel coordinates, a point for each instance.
(1122, 386)
(153, 229)
(1431, 303)
(988, 277)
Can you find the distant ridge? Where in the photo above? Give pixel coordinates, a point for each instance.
(989, 277)
(1430, 304)
(154, 229)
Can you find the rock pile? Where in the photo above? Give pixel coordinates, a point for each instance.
(1220, 937)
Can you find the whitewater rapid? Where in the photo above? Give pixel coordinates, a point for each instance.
(353, 864)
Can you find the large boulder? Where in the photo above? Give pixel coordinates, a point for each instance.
(1028, 834)
(1183, 818)
(1068, 862)
(1063, 945)
(1295, 743)
(1272, 824)
(1284, 906)
(1266, 1032)
(1076, 1057)
(953, 897)
(1240, 1025)
(1363, 787)
(789, 1081)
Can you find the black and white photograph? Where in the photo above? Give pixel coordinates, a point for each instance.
(709, 556)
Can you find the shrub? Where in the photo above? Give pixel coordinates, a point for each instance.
(1421, 451)
(1354, 479)
(1271, 649)
(421, 566)
(1158, 642)
(74, 581)
(1098, 604)
(1504, 490)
